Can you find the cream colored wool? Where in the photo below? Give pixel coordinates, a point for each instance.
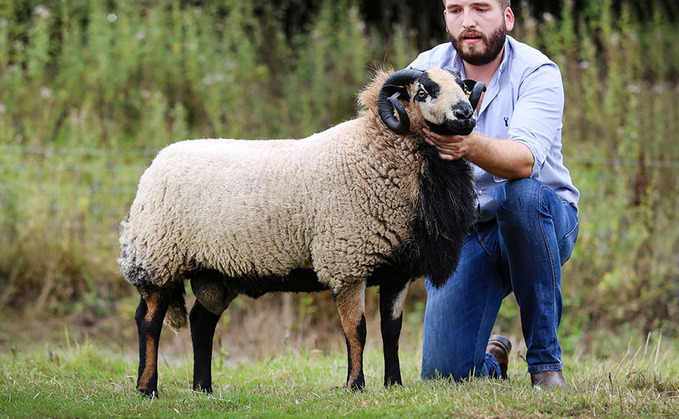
(338, 202)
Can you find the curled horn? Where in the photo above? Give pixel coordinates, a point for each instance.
(387, 101)
(474, 90)
(475, 95)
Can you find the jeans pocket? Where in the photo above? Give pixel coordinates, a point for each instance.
(567, 243)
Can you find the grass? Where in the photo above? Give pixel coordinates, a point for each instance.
(90, 380)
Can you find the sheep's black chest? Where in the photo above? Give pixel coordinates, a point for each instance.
(443, 215)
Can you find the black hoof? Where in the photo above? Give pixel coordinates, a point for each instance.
(357, 386)
(201, 389)
(391, 382)
(151, 394)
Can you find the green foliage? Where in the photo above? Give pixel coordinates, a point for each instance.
(620, 109)
(90, 90)
(620, 123)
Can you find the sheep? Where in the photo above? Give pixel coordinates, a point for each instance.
(367, 202)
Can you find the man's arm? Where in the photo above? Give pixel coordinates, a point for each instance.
(533, 126)
(503, 158)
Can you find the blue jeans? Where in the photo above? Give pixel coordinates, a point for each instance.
(520, 250)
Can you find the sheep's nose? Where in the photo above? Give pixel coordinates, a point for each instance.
(463, 112)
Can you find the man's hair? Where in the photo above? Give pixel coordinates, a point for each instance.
(503, 3)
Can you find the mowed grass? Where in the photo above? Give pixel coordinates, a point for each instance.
(88, 380)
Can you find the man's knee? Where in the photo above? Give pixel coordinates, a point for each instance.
(521, 198)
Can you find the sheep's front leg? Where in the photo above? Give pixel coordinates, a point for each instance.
(203, 324)
(392, 297)
(351, 307)
(149, 317)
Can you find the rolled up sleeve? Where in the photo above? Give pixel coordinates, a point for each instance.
(538, 111)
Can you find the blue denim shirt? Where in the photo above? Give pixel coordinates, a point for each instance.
(524, 102)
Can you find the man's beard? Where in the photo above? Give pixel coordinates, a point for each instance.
(473, 55)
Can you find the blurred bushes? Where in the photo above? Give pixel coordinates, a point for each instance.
(90, 90)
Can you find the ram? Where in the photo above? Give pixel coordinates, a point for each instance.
(367, 202)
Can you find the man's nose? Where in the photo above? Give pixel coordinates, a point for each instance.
(468, 20)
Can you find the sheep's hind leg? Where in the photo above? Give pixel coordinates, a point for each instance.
(149, 317)
(203, 324)
(392, 297)
(212, 298)
(351, 307)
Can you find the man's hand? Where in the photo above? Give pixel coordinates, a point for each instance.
(450, 147)
(503, 158)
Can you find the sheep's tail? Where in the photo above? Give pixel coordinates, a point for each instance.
(177, 316)
(131, 267)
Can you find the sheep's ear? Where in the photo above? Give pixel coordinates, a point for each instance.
(455, 72)
(458, 77)
(474, 89)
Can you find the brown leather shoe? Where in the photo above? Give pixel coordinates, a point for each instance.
(500, 347)
(548, 379)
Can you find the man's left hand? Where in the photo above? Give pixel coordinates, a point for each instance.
(504, 158)
(450, 147)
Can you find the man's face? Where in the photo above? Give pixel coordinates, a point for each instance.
(477, 28)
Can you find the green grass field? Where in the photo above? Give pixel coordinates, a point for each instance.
(612, 377)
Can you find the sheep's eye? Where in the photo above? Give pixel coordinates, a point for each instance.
(421, 94)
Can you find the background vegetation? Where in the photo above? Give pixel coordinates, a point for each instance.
(90, 90)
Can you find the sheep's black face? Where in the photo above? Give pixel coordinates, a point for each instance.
(444, 104)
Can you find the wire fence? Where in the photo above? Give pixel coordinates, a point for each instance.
(85, 192)
(148, 153)
(79, 194)
(112, 172)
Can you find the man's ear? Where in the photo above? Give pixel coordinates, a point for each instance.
(509, 19)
